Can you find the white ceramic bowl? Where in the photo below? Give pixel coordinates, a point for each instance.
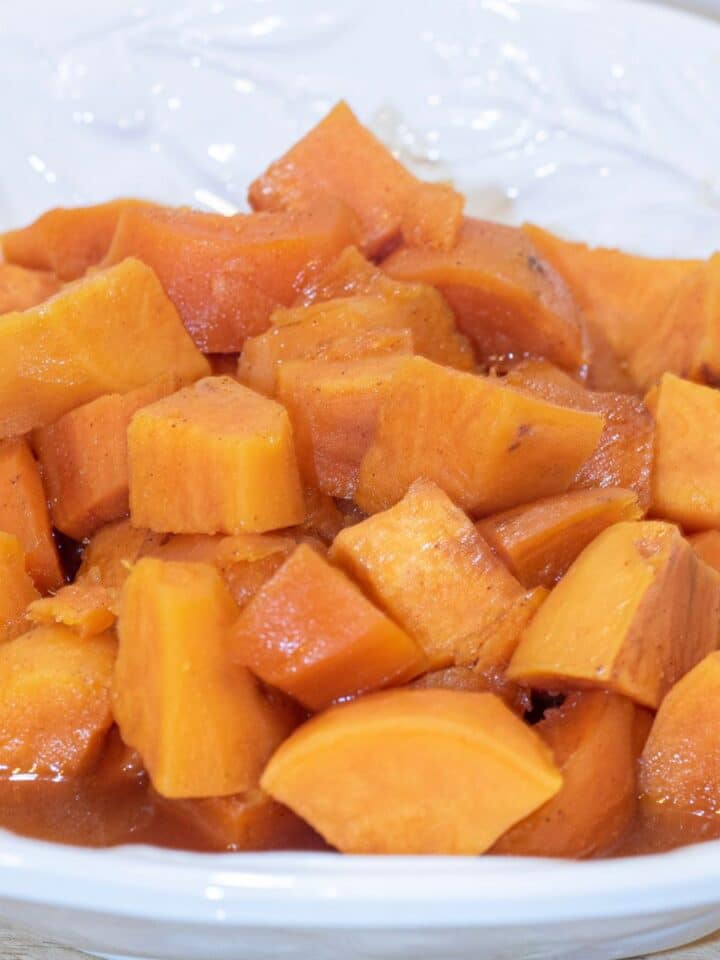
(596, 117)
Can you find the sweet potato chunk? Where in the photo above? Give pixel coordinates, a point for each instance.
(334, 410)
(111, 332)
(414, 772)
(680, 765)
(341, 158)
(86, 605)
(591, 737)
(112, 551)
(201, 725)
(226, 275)
(423, 561)
(506, 298)
(686, 473)
(16, 588)
(487, 445)
(624, 455)
(538, 541)
(633, 614)
(250, 482)
(54, 701)
(21, 288)
(24, 512)
(707, 546)
(83, 457)
(310, 632)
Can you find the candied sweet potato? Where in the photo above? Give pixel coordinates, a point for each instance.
(310, 632)
(24, 512)
(413, 772)
(86, 605)
(506, 298)
(251, 484)
(707, 546)
(226, 275)
(423, 561)
(538, 541)
(21, 288)
(633, 614)
(341, 158)
(487, 445)
(591, 737)
(112, 551)
(83, 457)
(54, 701)
(16, 588)
(111, 332)
(201, 725)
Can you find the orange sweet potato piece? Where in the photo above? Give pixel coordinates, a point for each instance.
(686, 472)
(226, 275)
(201, 725)
(624, 455)
(707, 546)
(310, 632)
(506, 298)
(54, 701)
(66, 240)
(16, 588)
(487, 445)
(83, 457)
(334, 410)
(112, 551)
(538, 541)
(111, 332)
(423, 561)
(24, 512)
(591, 737)
(633, 614)
(341, 158)
(680, 765)
(87, 606)
(253, 484)
(413, 772)
(21, 288)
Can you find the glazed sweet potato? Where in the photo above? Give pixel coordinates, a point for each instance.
(633, 614)
(21, 288)
(112, 551)
(506, 298)
(87, 606)
(707, 546)
(487, 445)
(24, 512)
(341, 158)
(253, 484)
(201, 725)
(413, 772)
(16, 588)
(226, 275)
(83, 457)
(539, 541)
(58, 735)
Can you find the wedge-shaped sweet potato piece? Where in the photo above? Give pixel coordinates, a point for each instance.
(707, 546)
(423, 561)
(414, 771)
(113, 550)
(201, 725)
(506, 298)
(334, 410)
(226, 275)
(21, 288)
(487, 445)
(686, 472)
(54, 701)
(87, 606)
(16, 588)
(624, 455)
(310, 632)
(83, 457)
(111, 332)
(633, 614)
(341, 158)
(680, 765)
(538, 541)
(591, 737)
(24, 512)
(252, 484)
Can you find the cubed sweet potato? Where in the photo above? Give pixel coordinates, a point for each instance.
(113, 550)
(414, 772)
(487, 445)
(341, 158)
(21, 288)
(213, 458)
(707, 546)
(633, 614)
(87, 606)
(16, 588)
